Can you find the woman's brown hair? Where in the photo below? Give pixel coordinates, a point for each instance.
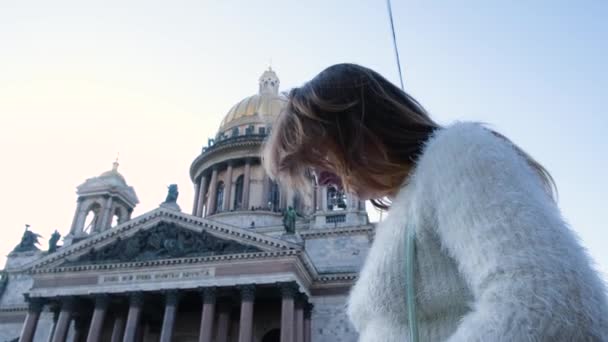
(355, 123)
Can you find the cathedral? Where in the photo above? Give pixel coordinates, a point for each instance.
(249, 261)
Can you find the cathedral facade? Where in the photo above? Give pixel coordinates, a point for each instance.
(249, 262)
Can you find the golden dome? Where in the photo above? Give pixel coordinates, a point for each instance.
(257, 108)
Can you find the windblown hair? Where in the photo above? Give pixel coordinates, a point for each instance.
(353, 122)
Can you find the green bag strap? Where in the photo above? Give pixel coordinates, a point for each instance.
(410, 250)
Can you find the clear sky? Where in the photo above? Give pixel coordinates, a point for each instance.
(81, 81)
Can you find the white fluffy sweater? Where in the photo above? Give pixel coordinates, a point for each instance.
(495, 260)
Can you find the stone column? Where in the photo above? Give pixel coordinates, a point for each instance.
(63, 322)
(75, 228)
(228, 188)
(202, 191)
(307, 326)
(288, 293)
(99, 314)
(207, 315)
(31, 320)
(55, 310)
(246, 184)
(223, 322)
(265, 190)
(282, 198)
(299, 321)
(118, 328)
(80, 327)
(136, 302)
(246, 322)
(106, 217)
(197, 188)
(323, 198)
(212, 192)
(291, 196)
(171, 307)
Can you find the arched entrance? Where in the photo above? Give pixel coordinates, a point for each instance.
(273, 335)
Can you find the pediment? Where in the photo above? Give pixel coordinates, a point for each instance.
(165, 240)
(161, 234)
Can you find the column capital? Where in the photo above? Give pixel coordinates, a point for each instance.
(136, 298)
(301, 298)
(247, 292)
(55, 308)
(67, 302)
(209, 294)
(102, 300)
(34, 304)
(308, 310)
(288, 289)
(171, 296)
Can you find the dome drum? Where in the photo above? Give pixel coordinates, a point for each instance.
(232, 186)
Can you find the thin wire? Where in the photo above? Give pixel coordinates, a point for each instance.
(390, 15)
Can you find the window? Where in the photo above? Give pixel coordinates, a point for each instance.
(336, 200)
(92, 218)
(219, 197)
(116, 218)
(238, 192)
(235, 132)
(335, 218)
(274, 196)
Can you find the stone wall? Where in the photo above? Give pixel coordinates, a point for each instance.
(243, 219)
(9, 331)
(330, 322)
(18, 284)
(16, 260)
(338, 254)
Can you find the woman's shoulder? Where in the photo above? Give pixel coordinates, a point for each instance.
(464, 145)
(467, 156)
(463, 137)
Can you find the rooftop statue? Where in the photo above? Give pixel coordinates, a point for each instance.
(29, 240)
(172, 194)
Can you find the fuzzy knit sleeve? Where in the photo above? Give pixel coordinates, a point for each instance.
(531, 279)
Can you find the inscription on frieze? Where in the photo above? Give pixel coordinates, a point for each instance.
(157, 276)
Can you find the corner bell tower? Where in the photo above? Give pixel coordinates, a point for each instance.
(103, 202)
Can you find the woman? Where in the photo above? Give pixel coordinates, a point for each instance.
(494, 260)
